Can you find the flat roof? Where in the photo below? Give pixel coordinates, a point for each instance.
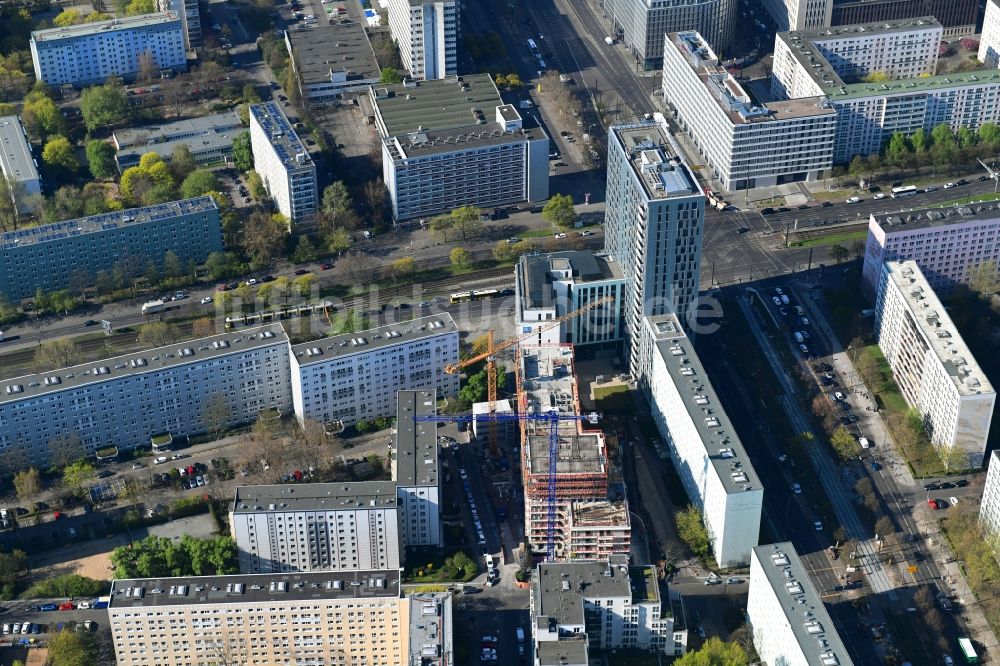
(431, 628)
(389, 335)
(467, 137)
(415, 454)
(938, 329)
(281, 135)
(340, 47)
(16, 160)
(536, 279)
(564, 651)
(549, 385)
(159, 133)
(929, 218)
(201, 142)
(437, 104)
(244, 589)
(138, 363)
(656, 160)
(599, 513)
(563, 586)
(722, 445)
(804, 612)
(111, 25)
(105, 222)
(315, 497)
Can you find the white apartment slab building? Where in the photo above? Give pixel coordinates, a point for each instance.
(945, 243)
(799, 14)
(549, 286)
(125, 400)
(642, 24)
(654, 220)
(190, 15)
(416, 468)
(452, 142)
(17, 164)
(791, 626)
(833, 62)
(316, 527)
(706, 451)
(427, 34)
(283, 163)
(989, 40)
(357, 617)
(355, 376)
(747, 143)
(989, 506)
(932, 365)
(602, 604)
(91, 52)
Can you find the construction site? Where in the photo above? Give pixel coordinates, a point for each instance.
(564, 461)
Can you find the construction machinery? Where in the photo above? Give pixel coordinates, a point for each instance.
(493, 349)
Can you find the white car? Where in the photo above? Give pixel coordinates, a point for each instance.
(948, 186)
(818, 526)
(137, 465)
(83, 604)
(797, 489)
(776, 301)
(560, 235)
(251, 282)
(838, 396)
(782, 458)
(854, 200)
(160, 460)
(206, 300)
(804, 349)
(879, 196)
(953, 500)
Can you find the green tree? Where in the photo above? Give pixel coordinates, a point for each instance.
(263, 238)
(304, 284)
(56, 352)
(983, 278)
(920, 141)
(839, 252)
(199, 182)
(559, 211)
(390, 75)
(103, 106)
(173, 267)
(460, 257)
(182, 163)
(942, 134)
(441, 226)
(966, 137)
(58, 153)
(42, 117)
(336, 198)
(844, 444)
(27, 484)
(67, 17)
(76, 474)
(338, 241)
(304, 251)
(877, 77)
(138, 7)
(897, 150)
(989, 133)
(467, 221)
(403, 267)
(691, 530)
(256, 186)
(715, 653)
(101, 159)
(242, 152)
(157, 334)
(72, 648)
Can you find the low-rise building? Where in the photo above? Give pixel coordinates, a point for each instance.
(91, 52)
(945, 242)
(790, 623)
(17, 164)
(355, 376)
(332, 61)
(209, 138)
(50, 256)
(932, 365)
(283, 163)
(452, 142)
(427, 34)
(989, 506)
(706, 451)
(123, 401)
(549, 286)
(602, 604)
(747, 143)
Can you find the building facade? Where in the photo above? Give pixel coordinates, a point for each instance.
(932, 365)
(427, 34)
(91, 52)
(704, 447)
(958, 17)
(642, 24)
(355, 376)
(452, 142)
(50, 256)
(989, 506)
(190, 15)
(945, 242)
(799, 14)
(602, 604)
(332, 61)
(416, 468)
(283, 163)
(345, 618)
(123, 401)
(549, 286)
(655, 216)
(18, 165)
(209, 138)
(747, 145)
(989, 40)
(791, 625)
(316, 527)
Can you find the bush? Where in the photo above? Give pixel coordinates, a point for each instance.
(70, 585)
(189, 506)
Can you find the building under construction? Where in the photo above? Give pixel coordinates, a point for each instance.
(569, 515)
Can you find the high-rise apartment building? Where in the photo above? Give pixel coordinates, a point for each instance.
(283, 163)
(989, 40)
(50, 256)
(706, 451)
(654, 222)
(355, 376)
(125, 400)
(799, 14)
(945, 242)
(17, 164)
(989, 506)
(602, 604)
(790, 624)
(427, 34)
(415, 468)
(91, 52)
(316, 527)
(190, 15)
(451, 142)
(549, 286)
(642, 24)
(932, 365)
(958, 17)
(746, 144)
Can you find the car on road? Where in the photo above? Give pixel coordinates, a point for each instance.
(804, 207)
(137, 465)
(776, 300)
(766, 211)
(713, 580)
(962, 182)
(944, 485)
(160, 460)
(67, 606)
(734, 581)
(251, 282)
(325, 267)
(206, 300)
(838, 396)
(783, 458)
(797, 489)
(180, 296)
(48, 607)
(948, 186)
(512, 240)
(489, 638)
(874, 466)
(301, 271)
(879, 196)
(91, 322)
(961, 483)
(953, 500)
(560, 235)
(931, 189)
(804, 349)
(931, 486)
(826, 204)
(105, 473)
(854, 200)
(586, 233)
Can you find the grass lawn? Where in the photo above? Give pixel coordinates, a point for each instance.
(613, 399)
(845, 238)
